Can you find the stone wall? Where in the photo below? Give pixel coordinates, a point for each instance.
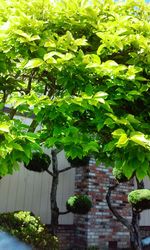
(100, 228)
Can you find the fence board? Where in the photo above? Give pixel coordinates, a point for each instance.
(26, 190)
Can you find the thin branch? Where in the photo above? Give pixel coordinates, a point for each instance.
(12, 113)
(65, 169)
(45, 90)
(49, 172)
(4, 96)
(62, 213)
(33, 126)
(113, 210)
(28, 90)
(140, 184)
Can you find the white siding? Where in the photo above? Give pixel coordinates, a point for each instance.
(28, 190)
(145, 215)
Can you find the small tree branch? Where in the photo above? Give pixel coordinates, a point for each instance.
(140, 184)
(65, 169)
(49, 172)
(62, 213)
(30, 82)
(33, 126)
(113, 210)
(12, 113)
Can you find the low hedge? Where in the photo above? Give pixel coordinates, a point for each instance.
(28, 228)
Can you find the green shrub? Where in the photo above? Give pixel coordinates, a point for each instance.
(77, 162)
(79, 204)
(140, 199)
(28, 229)
(119, 175)
(39, 162)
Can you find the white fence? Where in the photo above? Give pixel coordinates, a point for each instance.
(27, 190)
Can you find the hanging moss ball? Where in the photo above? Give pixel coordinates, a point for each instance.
(140, 199)
(39, 162)
(119, 175)
(77, 162)
(79, 204)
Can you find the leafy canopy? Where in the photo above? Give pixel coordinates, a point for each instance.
(81, 70)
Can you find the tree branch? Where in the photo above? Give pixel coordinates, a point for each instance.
(113, 210)
(65, 169)
(33, 126)
(30, 82)
(49, 172)
(12, 113)
(62, 213)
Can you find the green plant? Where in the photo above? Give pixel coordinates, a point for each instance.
(81, 70)
(119, 175)
(79, 204)
(82, 76)
(29, 229)
(140, 199)
(77, 162)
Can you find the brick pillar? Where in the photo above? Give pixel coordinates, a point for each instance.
(100, 228)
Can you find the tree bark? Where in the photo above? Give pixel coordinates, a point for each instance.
(133, 227)
(124, 221)
(135, 237)
(53, 194)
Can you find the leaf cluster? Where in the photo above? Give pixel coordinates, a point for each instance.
(80, 69)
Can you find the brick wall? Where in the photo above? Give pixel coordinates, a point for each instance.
(66, 236)
(100, 228)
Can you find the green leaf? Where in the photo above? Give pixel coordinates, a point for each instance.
(118, 133)
(141, 172)
(139, 138)
(17, 146)
(4, 127)
(100, 94)
(91, 146)
(51, 54)
(128, 168)
(34, 63)
(89, 89)
(122, 142)
(141, 156)
(109, 147)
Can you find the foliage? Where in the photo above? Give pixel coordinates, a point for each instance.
(39, 162)
(80, 69)
(29, 229)
(119, 175)
(79, 204)
(77, 162)
(140, 199)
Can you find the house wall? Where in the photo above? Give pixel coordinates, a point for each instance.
(27, 190)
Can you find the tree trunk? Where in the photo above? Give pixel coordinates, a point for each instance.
(133, 227)
(135, 237)
(53, 194)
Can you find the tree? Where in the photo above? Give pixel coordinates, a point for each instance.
(81, 71)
